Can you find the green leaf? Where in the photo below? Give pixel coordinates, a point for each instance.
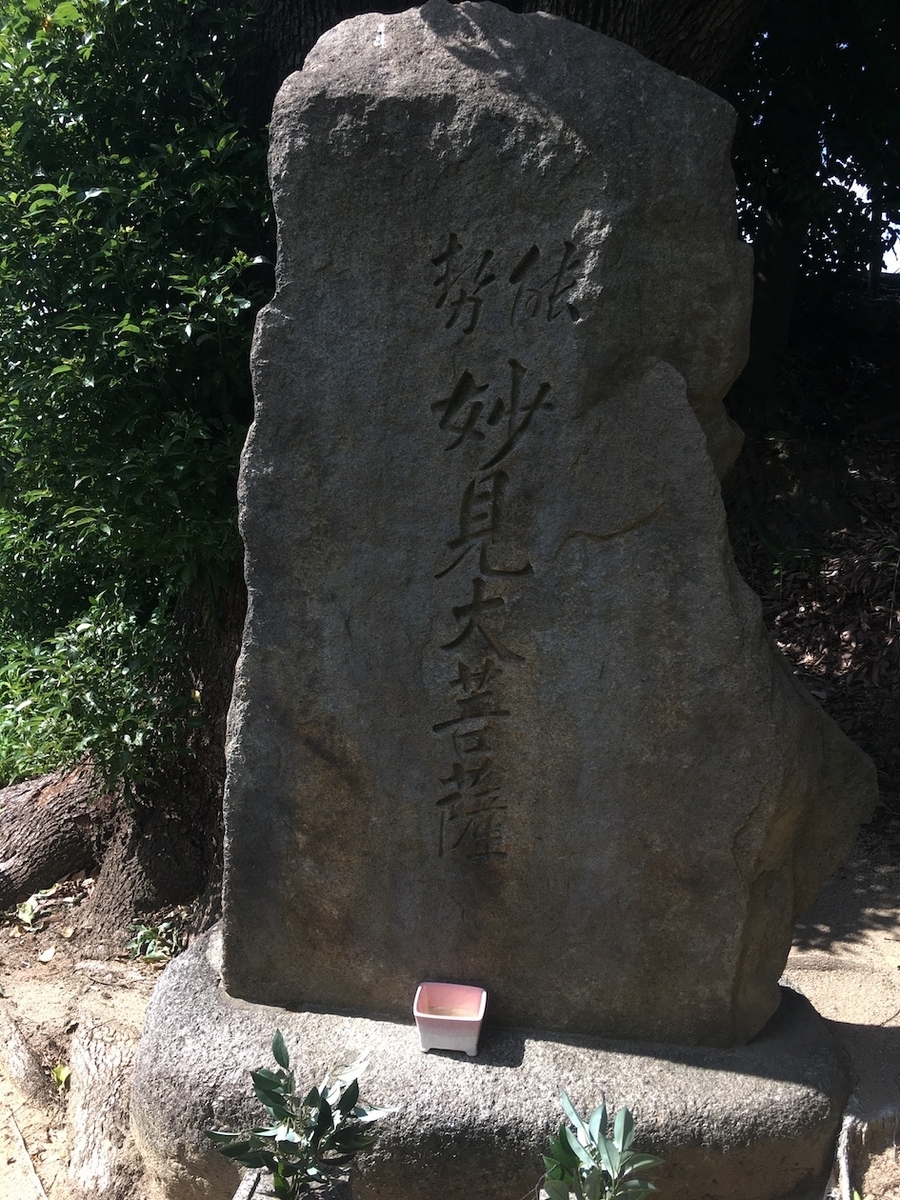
(642, 1162)
(235, 1149)
(279, 1050)
(578, 1124)
(66, 14)
(576, 1148)
(559, 1148)
(556, 1189)
(223, 1136)
(623, 1132)
(609, 1156)
(324, 1121)
(282, 1188)
(597, 1122)
(348, 1100)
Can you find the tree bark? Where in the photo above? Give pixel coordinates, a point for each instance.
(103, 1162)
(777, 258)
(49, 828)
(876, 248)
(168, 851)
(20, 1064)
(783, 221)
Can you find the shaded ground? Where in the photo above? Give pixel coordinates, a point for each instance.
(834, 611)
(831, 599)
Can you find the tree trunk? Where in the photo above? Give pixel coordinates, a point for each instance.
(783, 221)
(876, 248)
(777, 256)
(168, 851)
(49, 828)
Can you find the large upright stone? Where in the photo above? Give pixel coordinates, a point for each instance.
(505, 712)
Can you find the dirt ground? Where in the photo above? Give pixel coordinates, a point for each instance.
(49, 991)
(846, 959)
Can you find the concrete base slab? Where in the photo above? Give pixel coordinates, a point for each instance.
(753, 1122)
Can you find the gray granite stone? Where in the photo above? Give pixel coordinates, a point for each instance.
(505, 714)
(753, 1122)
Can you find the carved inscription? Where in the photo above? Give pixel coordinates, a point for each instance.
(544, 295)
(472, 804)
(538, 284)
(484, 421)
(460, 281)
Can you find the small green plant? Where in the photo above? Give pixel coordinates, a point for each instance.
(306, 1141)
(586, 1160)
(154, 943)
(61, 1074)
(28, 911)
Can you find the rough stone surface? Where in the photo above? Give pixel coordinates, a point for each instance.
(747, 1123)
(505, 713)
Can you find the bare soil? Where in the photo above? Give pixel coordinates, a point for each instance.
(49, 990)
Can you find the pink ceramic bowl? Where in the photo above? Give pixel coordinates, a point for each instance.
(449, 1015)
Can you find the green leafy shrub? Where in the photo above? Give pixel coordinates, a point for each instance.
(307, 1141)
(154, 943)
(133, 232)
(594, 1164)
(95, 689)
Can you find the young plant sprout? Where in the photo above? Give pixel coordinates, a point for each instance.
(585, 1160)
(306, 1142)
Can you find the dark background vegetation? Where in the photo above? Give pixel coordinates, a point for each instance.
(136, 245)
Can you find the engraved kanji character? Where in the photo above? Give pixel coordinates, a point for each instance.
(471, 614)
(479, 515)
(519, 412)
(460, 294)
(468, 742)
(477, 705)
(480, 780)
(477, 835)
(474, 698)
(461, 411)
(470, 679)
(544, 294)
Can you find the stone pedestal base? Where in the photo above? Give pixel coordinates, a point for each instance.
(753, 1122)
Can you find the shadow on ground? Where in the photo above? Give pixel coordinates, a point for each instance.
(863, 895)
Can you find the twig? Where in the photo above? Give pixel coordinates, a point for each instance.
(248, 1185)
(20, 1139)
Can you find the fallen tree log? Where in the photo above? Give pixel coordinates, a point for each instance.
(50, 827)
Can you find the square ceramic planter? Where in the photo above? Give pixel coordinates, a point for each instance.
(449, 1015)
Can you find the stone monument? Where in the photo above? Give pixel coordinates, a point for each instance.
(505, 713)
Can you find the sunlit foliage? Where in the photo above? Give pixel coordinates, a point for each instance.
(133, 230)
